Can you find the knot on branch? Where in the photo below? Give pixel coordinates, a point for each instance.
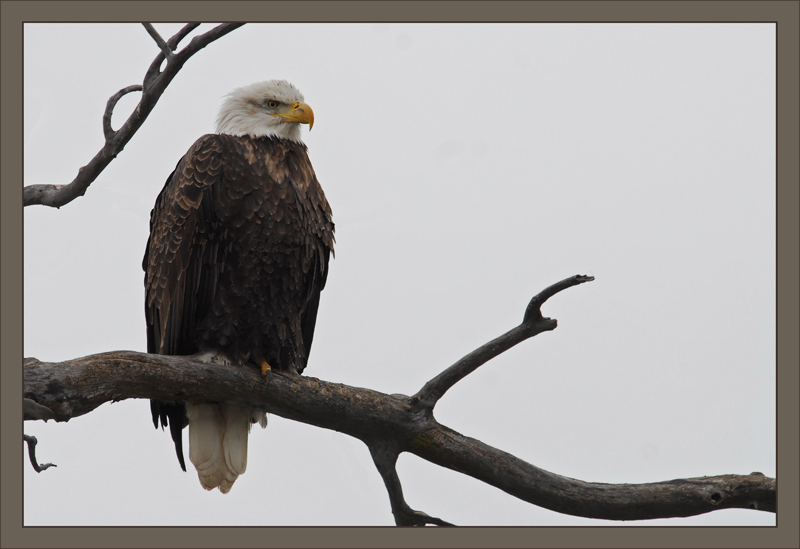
(34, 410)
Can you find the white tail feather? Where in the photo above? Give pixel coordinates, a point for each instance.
(218, 442)
(234, 440)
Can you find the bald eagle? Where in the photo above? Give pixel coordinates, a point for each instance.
(240, 238)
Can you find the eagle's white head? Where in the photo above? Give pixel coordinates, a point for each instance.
(271, 108)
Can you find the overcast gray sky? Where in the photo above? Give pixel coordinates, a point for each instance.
(468, 167)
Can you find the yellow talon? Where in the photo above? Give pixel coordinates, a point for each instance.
(265, 368)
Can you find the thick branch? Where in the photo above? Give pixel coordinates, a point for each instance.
(76, 387)
(674, 498)
(532, 324)
(73, 388)
(154, 85)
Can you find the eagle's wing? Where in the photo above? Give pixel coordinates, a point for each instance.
(181, 265)
(323, 228)
(309, 317)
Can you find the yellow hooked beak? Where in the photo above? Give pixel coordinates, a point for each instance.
(297, 112)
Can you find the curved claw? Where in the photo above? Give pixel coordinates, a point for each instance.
(266, 371)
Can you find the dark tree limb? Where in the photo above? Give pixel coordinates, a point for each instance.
(533, 312)
(165, 49)
(387, 424)
(154, 71)
(384, 454)
(76, 387)
(32, 454)
(533, 323)
(108, 131)
(154, 84)
(673, 498)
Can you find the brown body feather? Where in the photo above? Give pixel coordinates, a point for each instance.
(240, 239)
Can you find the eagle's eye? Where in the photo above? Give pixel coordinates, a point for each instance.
(272, 104)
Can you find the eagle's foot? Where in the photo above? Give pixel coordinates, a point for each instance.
(266, 371)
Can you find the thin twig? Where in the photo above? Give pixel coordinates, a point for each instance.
(31, 440)
(154, 71)
(183, 33)
(165, 49)
(155, 83)
(108, 131)
(532, 324)
(533, 312)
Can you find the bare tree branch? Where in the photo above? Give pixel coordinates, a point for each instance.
(533, 313)
(165, 49)
(673, 498)
(387, 424)
(384, 454)
(154, 71)
(155, 82)
(32, 454)
(108, 131)
(532, 324)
